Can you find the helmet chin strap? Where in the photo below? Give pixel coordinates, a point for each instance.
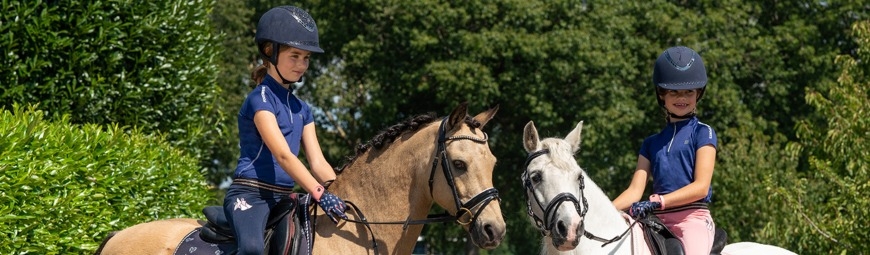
(284, 81)
(682, 117)
(671, 115)
(275, 63)
(688, 115)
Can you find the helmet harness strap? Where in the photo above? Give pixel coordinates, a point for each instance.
(688, 115)
(274, 59)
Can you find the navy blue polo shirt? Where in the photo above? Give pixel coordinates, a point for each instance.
(292, 114)
(671, 153)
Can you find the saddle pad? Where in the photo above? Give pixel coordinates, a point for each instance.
(193, 244)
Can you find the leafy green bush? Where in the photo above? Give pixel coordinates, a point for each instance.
(64, 187)
(143, 64)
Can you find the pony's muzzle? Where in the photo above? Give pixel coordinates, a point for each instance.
(566, 233)
(488, 236)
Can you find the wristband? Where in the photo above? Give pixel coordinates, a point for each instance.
(658, 198)
(317, 192)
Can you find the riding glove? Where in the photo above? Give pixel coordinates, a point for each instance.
(642, 208)
(333, 206)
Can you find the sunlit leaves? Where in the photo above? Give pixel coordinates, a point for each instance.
(64, 187)
(832, 195)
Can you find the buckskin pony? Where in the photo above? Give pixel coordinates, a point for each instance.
(390, 185)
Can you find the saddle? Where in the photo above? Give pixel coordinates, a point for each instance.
(662, 241)
(288, 228)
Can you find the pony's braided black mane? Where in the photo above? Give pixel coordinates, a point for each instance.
(389, 134)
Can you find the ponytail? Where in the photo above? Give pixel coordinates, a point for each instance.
(262, 70)
(259, 73)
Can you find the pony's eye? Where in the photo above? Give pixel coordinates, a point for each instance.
(459, 164)
(535, 177)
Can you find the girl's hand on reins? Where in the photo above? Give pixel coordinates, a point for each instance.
(641, 209)
(333, 206)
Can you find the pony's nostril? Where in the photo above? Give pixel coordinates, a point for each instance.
(561, 228)
(493, 234)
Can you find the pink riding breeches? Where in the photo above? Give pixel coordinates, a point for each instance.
(694, 227)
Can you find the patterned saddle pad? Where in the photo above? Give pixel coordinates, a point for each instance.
(193, 244)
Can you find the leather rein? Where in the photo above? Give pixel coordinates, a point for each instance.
(546, 224)
(480, 200)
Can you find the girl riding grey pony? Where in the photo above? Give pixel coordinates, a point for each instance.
(680, 158)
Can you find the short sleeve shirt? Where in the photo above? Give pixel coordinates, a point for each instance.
(672, 151)
(292, 114)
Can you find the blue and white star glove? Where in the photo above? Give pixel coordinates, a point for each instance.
(333, 206)
(641, 209)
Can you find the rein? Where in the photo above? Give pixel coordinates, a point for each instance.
(480, 200)
(545, 225)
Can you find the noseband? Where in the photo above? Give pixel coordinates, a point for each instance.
(545, 225)
(480, 200)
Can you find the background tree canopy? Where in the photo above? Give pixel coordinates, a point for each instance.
(787, 93)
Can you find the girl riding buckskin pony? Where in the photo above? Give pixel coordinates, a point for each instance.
(273, 126)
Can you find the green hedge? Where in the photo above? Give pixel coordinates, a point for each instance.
(64, 187)
(143, 64)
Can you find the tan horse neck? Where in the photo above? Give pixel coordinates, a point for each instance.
(378, 182)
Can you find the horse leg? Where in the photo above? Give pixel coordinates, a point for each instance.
(156, 238)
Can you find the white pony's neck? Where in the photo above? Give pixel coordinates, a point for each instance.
(602, 220)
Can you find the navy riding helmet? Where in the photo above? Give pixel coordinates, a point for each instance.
(679, 68)
(287, 25)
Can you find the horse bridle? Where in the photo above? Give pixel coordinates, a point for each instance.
(481, 200)
(545, 225)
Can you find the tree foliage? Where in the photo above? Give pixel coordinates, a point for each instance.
(829, 199)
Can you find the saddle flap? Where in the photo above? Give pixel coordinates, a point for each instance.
(659, 238)
(283, 208)
(217, 229)
(209, 234)
(285, 224)
(217, 219)
(720, 239)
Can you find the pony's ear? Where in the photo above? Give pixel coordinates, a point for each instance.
(484, 117)
(457, 116)
(573, 138)
(530, 137)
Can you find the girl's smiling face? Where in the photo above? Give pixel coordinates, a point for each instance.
(292, 63)
(680, 102)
